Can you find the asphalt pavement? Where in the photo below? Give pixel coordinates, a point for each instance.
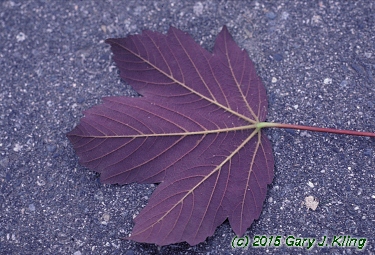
(317, 61)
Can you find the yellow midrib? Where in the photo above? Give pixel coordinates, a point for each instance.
(203, 132)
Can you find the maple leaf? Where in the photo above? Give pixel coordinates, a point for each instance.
(193, 130)
(197, 130)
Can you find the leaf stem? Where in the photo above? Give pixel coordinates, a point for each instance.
(316, 129)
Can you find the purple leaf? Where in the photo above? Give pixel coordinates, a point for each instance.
(193, 131)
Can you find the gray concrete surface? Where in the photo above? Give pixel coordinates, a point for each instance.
(317, 60)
